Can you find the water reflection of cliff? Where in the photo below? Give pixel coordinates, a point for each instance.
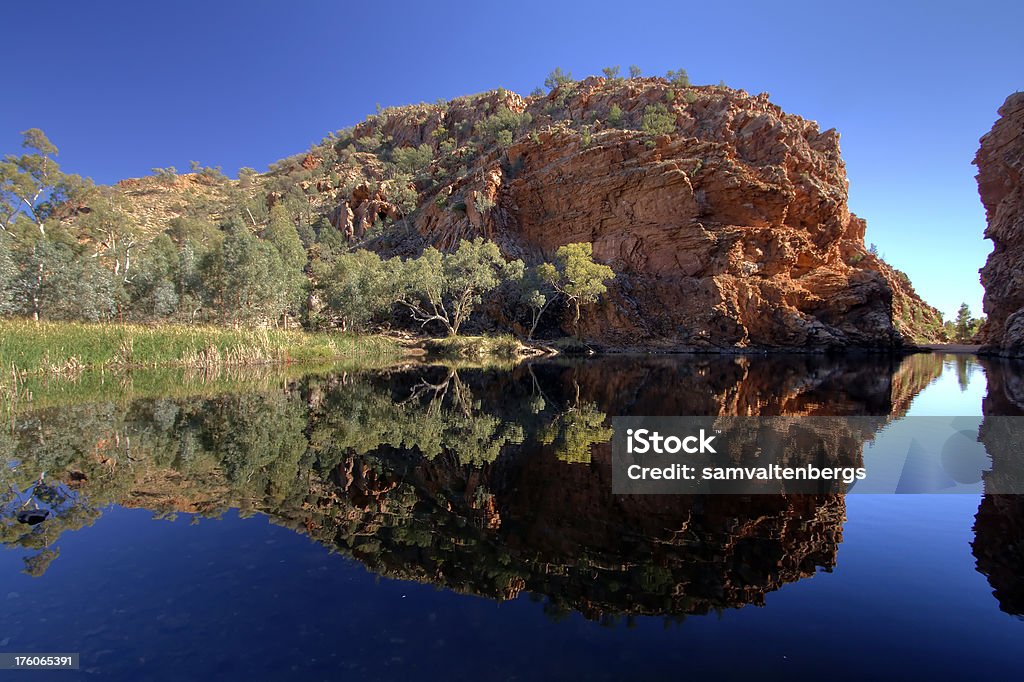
(999, 525)
(492, 483)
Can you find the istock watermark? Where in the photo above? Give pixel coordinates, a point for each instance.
(817, 455)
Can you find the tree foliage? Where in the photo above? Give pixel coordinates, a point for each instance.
(414, 160)
(679, 77)
(358, 287)
(965, 327)
(557, 78)
(574, 277)
(447, 287)
(658, 120)
(33, 189)
(580, 279)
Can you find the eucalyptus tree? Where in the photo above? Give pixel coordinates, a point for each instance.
(574, 277)
(447, 287)
(33, 189)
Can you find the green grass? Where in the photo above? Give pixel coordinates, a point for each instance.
(474, 347)
(67, 348)
(42, 391)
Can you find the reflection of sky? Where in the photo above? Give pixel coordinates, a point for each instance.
(244, 598)
(934, 447)
(945, 397)
(908, 557)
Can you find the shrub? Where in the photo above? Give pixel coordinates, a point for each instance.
(502, 126)
(413, 160)
(615, 115)
(166, 175)
(483, 203)
(558, 78)
(679, 77)
(658, 120)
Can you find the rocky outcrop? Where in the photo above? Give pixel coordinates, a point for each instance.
(732, 231)
(1000, 162)
(724, 217)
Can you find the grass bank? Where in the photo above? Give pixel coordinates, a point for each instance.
(66, 348)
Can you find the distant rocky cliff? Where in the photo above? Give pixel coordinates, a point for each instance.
(1000, 162)
(725, 217)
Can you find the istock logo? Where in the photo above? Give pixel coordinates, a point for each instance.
(641, 441)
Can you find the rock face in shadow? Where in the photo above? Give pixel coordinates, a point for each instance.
(999, 524)
(1000, 162)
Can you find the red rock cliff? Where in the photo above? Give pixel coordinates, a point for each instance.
(731, 231)
(1000, 162)
(725, 218)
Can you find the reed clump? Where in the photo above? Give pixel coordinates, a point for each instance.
(65, 349)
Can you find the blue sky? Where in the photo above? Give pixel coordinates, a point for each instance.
(911, 86)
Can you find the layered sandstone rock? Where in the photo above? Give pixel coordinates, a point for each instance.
(1000, 162)
(728, 224)
(731, 232)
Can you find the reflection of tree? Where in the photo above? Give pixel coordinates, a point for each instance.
(575, 429)
(464, 478)
(35, 518)
(435, 417)
(195, 456)
(963, 368)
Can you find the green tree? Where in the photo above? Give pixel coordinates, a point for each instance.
(358, 286)
(32, 186)
(245, 279)
(413, 160)
(446, 288)
(538, 292)
(247, 177)
(56, 284)
(615, 115)
(152, 287)
(634, 71)
(8, 276)
(280, 231)
(185, 229)
(679, 77)
(502, 126)
(965, 326)
(611, 72)
(574, 276)
(579, 278)
(557, 78)
(658, 120)
(112, 235)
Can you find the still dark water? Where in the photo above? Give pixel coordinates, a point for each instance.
(428, 523)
